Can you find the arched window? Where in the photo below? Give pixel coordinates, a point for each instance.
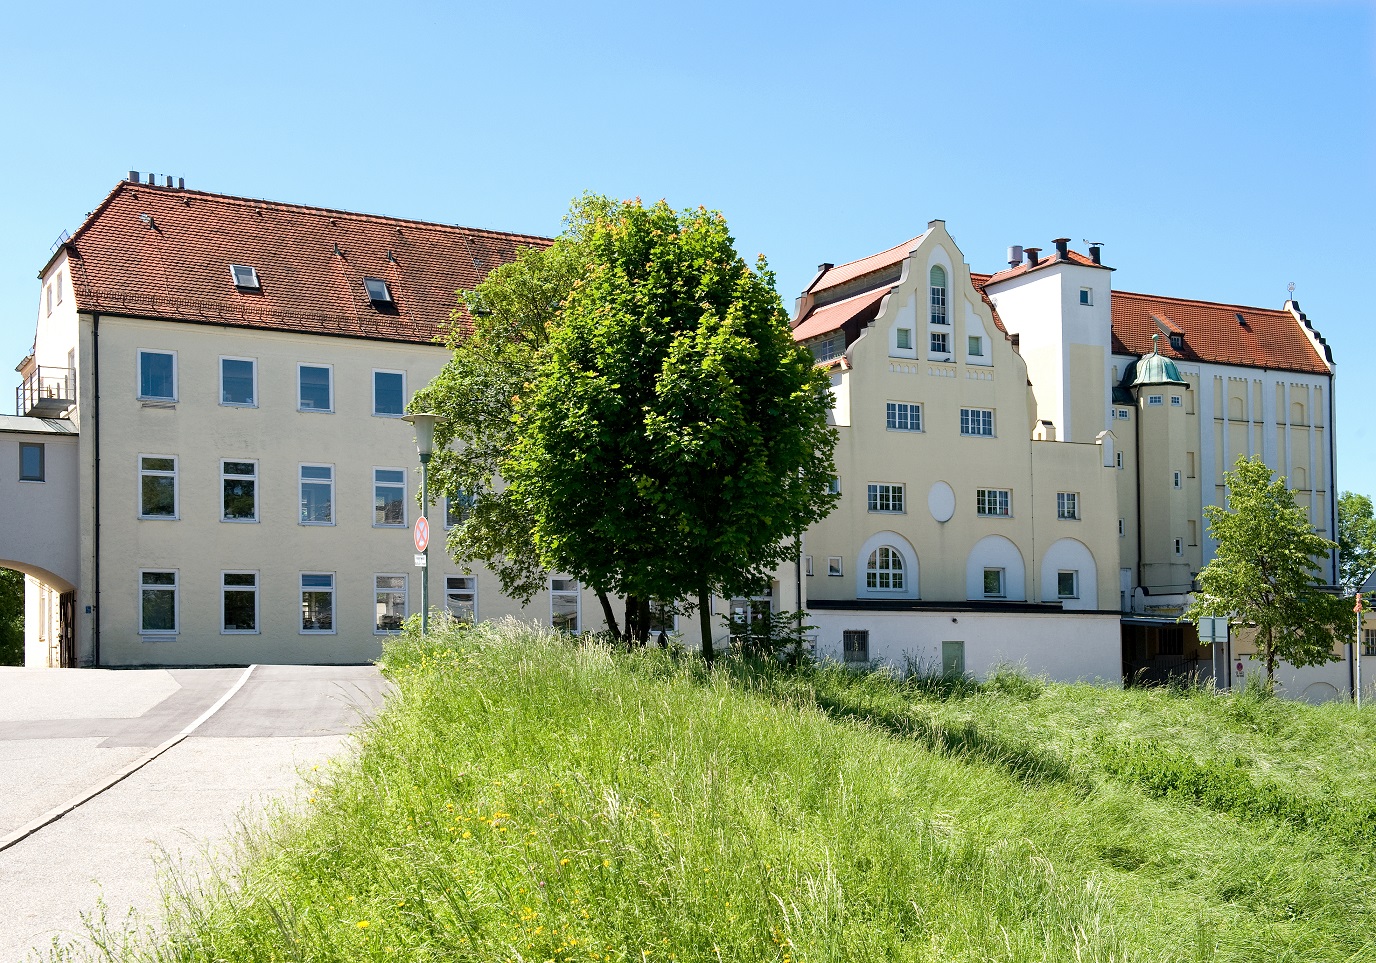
(884, 570)
(938, 278)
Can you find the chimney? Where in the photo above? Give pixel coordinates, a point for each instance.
(1048, 432)
(1032, 253)
(1015, 255)
(1095, 254)
(181, 183)
(825, 266)
(1062, 248)
(1016, 339)
(151, 179)
(133, 177)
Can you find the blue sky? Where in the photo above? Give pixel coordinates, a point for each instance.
(1220, 150)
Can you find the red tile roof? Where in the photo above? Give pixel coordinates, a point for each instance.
(1212, 333)
(830, 317)
(1026, 267)
(310, 261)
(851, 270)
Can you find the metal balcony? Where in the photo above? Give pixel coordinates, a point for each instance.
(46, 392)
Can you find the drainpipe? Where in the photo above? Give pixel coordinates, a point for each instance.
(1137, 425)
(95, 495)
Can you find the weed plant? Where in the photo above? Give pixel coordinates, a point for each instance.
(527, 797)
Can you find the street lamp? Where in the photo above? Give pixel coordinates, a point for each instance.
(424, 423)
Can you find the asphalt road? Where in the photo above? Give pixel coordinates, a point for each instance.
(64, 733)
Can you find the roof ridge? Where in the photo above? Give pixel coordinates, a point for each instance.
(857, 260)
(1216, 304)
(240, 200)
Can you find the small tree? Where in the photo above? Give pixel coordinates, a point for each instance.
(11, 617)
(1265, 572)
(1356, 541)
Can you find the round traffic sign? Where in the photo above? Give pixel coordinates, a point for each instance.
(422, 533)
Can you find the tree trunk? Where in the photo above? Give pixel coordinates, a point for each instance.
(608, 614)
(705, 623)
(643, 630)
(1270, 662)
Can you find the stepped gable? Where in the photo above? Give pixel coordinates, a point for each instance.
(159, 252)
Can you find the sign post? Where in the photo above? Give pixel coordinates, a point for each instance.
(1357, 648)
(422, 540)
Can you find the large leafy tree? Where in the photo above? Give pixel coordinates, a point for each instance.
(11, 617)
(675, 442)
(1266, 572)
(1356, 540)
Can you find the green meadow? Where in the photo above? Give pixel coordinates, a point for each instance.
(527, 797)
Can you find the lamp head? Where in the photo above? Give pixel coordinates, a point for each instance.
(424, 423)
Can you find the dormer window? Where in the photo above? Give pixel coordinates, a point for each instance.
(1177, 341)
(378, 292)
(245, 277)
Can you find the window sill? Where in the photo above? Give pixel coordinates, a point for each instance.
(240, 632)
(317, 524)
(315, 411)
(33, 481)
(240, 521)
(159, 518)
(390, 525)
(317, 632)
(163, 637)
(238, 404)
(389, 414)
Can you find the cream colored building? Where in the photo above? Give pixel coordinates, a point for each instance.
(228, 477)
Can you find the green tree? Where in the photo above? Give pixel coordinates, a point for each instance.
(11, 617)
(675, 443)
(1266, 572)
(1356, 540)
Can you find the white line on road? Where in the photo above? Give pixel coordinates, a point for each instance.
(56, 813)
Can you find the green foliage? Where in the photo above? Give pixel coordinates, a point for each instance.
(11, 617)
(528, 798)
(1267, 570)
(1356, 540)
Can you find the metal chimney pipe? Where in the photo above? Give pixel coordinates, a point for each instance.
(133, 177)
(1014, 255)
(1095, 254)
(150, 180)
(181, 183)
(169, 180)
(1062, 248)
(1032, 253)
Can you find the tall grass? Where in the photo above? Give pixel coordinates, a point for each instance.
(529, 798)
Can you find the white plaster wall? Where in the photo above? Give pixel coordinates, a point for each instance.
(1070, 554)
(1061, 646)
(995, 551)
(38, 520)
(1319, 683)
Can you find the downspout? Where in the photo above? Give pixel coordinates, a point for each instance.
(95, 495)
(1137, 468)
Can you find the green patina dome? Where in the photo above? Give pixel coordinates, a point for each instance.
(1152, 369)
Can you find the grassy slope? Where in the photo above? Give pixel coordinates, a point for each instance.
(525, 799)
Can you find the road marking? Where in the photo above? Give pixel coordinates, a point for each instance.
(56, 813)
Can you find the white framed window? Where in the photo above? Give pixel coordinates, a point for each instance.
(456, 509)
(1123, 414)
(461, 598)
(1067, 584)
(940, 343)
(1368, 641)
(904, 338)
(238, 491)
(245, 277)
(1086, 295)
(389, 497)
(159, 606)
(158, 496)
(389, 393)
(565, 604)
(1175, 479)
(829, 348)
(238, 603)
(57, 283)
(834, 566)
(157, 375)
(317, 603)
(1179, 549)
(1154, 399)
(994, 583)
(317, 494)
(834, 485)
(1118, 459)
(49, 292)
(807, 565)
(315, 387)
(977, 421)
(389, 595)
(1175, 401)
(994, 502)
(884, 570)
(239, 382)
(1122, 528)
(903, 416)
(886, 497)
(1068, 505)
(33, 461)
(974, 346)
(937, 279)
(855, 645)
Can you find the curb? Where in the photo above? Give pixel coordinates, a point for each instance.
(56, 813)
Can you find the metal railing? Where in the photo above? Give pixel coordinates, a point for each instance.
(46, 391)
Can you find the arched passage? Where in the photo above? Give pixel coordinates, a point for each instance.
(48, 603)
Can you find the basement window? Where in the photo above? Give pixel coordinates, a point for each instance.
(245, 277)
(378, 292)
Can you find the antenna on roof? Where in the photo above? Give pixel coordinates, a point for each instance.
(1291, 288)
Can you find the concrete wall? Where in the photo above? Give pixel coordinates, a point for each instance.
(1061, 646)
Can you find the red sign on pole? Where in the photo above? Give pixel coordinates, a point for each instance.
(422, 533)
(1358, 607)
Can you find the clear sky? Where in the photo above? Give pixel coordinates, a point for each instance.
(1220, 150)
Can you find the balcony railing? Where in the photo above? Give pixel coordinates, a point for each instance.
(46, 392)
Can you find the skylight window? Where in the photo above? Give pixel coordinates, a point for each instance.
(245, 277)
(378, 292)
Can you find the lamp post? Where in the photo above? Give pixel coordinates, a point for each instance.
(424, 423)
